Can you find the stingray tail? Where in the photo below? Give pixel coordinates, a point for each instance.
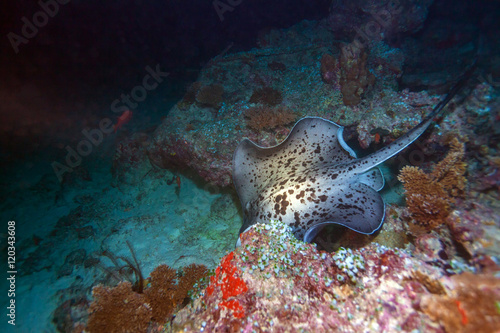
(368, 162)
(456, 88)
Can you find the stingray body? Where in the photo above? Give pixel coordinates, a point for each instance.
(314, 178)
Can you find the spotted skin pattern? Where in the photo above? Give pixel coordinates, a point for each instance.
(314, 178)
(304, 182)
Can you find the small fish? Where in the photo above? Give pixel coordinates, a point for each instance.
(178, 180)
(313, 178)
(123, 119)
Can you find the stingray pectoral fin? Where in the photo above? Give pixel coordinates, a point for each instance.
(312, 232)
(313, 143)
(373, 178)
(360, 208)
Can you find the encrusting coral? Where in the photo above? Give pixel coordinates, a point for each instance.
(469, 304)
(355, 78)
(266, 118)
(330, 69)
(267, 96)
(227, 278)
(120, 309)
(429, 196)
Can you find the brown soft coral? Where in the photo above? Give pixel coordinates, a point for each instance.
(267, 96)
(162, 291)
(118, 309)
(265, 118)
(429, 196)
(211, 95)
(450, 171)
(471, 305)
(355, 78)
(190, 275)
(167, 292)
(329, 69)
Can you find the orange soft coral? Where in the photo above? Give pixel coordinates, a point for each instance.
(429, 196)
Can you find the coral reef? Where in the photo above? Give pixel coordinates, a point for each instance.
(162, 292)
(355, 78)
(429, 196)
(168, 290)
(274, 282)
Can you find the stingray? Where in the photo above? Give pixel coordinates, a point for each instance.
(313, 178)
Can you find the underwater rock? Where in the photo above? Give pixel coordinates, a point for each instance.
(265, 89)
(478, 101)
(265, 118)
(76, 257)
(71, 315)
(369, 19)
(267, 96)
(131, 162)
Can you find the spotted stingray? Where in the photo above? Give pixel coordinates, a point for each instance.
(313, 178)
